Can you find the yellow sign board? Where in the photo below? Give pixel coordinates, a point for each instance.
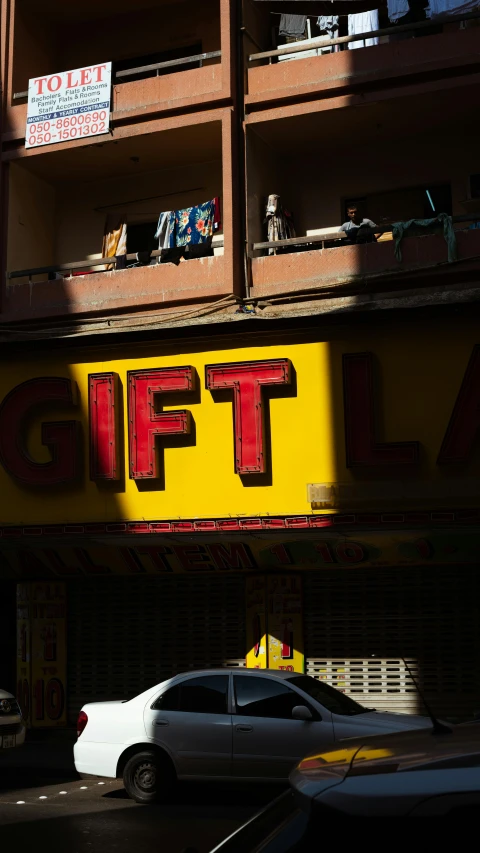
(274, 622)
(306, 437)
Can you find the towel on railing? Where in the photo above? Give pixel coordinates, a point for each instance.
(399, 228)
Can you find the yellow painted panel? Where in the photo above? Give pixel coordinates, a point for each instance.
(418, 375)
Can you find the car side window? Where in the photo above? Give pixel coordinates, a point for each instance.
(204, 695)
(264, 697)
(168, 701)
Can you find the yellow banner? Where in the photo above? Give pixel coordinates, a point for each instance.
(415, 391)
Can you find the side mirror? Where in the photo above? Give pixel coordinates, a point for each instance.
(301, 712)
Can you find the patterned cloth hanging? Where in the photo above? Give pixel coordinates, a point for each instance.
(279, 222)
(193, 225)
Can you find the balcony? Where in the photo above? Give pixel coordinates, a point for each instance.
(178, 61)
(60, 203)
(371, 268)
(406, 55)
(392, 170)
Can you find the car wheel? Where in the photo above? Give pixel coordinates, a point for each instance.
(147, 778)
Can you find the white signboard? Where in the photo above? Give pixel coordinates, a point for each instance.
(71, 105)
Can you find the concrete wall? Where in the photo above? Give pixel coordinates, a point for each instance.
(43, 48)
(35, 49)
(31, 221)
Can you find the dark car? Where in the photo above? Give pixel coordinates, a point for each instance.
(423, 773)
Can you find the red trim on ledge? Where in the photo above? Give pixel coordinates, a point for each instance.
(261, 523)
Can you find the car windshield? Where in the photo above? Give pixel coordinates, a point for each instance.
(331, 699)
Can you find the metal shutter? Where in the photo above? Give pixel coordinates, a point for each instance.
(359, 623)
(127, 634)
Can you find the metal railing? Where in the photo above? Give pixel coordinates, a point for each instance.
(86, 265)
(298, 47)
(322, 238)
(156, 66)
(326, 236)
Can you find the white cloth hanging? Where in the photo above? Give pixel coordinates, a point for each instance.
(397, 9)
(328, 24)
(162, 233)
(363, 22)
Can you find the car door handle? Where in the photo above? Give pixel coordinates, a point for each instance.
(161, 722)
(244, 728)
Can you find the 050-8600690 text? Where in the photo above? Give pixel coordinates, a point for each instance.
(69, 127)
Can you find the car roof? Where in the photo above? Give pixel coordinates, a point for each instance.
(241, 670)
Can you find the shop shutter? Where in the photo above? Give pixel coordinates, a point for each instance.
(127, 634)
(360, 623)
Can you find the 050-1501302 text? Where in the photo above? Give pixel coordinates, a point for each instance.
(70, 127)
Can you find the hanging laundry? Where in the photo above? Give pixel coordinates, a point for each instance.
(199, 250)
(164, 231)
(194, 224)
(172, 256)
(279, 222)
(114, 238)
(143, 258)
(328, 24)
(397, 9)
(363, 22)
(436, 8)
(399, 229)
(292, 26)
(217, 217)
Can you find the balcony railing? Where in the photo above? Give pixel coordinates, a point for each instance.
(327, 236)
(321, 42)
(174, 64)
(74, 266)
(344, 268)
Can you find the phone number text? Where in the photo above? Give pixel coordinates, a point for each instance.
(69, 127)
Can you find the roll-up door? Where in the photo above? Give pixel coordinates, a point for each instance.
(126, 634)
(361, 623)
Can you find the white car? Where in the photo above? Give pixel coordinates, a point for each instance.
(220, 724)
(12, 727)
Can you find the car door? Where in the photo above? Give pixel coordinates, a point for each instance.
(191, 721)
(267, 742)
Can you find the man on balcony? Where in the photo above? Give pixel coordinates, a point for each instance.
(358, 229)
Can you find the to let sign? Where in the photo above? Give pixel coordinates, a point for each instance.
(70, 105)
